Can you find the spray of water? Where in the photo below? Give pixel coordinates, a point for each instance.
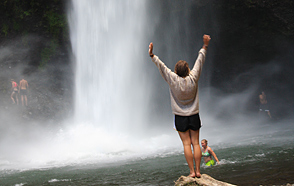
(112, 95)
(121, 101)
(112, 86)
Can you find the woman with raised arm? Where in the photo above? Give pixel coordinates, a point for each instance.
(183, 84)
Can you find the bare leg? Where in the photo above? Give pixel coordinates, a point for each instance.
(185, 137)
(26, 100)
(197, 150)
(269, 114)
(16, 96)
(21, 100)
(12, 97)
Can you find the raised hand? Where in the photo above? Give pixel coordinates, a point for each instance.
(151, 50)
(206, 39)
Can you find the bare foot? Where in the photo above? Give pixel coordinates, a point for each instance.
(198, 175)
(192, 175)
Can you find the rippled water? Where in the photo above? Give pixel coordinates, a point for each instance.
(260, 160)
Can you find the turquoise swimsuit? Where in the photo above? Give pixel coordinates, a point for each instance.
(207, 154)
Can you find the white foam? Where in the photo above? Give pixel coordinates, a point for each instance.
(58, 180)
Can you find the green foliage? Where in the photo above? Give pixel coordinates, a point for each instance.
(5, 29)
(26, 13)
(16, 25)
(56, 22)
(45, 18)
(47, 53)
(25, 38)
(42, 16)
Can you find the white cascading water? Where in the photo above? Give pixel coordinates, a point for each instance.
(111, 97)
(107, 38)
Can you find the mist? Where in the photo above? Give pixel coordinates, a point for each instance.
(229, 87)
(239, 65)
(27, 132)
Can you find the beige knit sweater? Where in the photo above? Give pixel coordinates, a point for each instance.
(183, 91)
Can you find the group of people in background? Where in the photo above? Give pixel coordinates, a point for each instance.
(19, 89)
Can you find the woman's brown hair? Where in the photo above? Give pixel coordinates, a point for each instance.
(182, 68)
(205, 141)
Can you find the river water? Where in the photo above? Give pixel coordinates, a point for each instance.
(264, 158)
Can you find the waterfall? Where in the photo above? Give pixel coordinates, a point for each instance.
(110, 49)
(107, 39)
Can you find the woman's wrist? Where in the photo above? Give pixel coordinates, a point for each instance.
(151, 55)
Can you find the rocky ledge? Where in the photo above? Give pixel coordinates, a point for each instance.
(206, 180)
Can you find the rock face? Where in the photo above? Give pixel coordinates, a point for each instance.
(205, 180)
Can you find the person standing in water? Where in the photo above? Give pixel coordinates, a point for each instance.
(183, 84)
(23, 88)
(263, 106)
(14, 88)
(207, 152)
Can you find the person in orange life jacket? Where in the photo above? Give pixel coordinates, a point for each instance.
(14, 88)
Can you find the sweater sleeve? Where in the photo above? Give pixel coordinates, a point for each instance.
(165, 72)
(196, 71)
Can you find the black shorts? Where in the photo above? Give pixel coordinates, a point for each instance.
(263, 107)
(184, 123)
(23, 92)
